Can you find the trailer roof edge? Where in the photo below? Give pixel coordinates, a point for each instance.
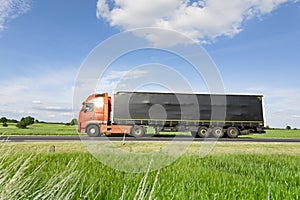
(168, 92)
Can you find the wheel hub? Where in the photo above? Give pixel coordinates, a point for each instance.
(93, 130)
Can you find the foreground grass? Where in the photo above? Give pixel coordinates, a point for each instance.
(72, 173)
(220, 148)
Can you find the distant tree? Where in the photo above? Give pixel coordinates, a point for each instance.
(29, 120)
(288, 127)
(267, 127)
(21, 124)
(36, 121)
(295, 129)
(25, 121)
(12, 121)
(3, 119)
(73, 122)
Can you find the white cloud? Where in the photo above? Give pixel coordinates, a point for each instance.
(281, 106)
(36, 102)
(46, 92)
(10, 9)
(110, 81)
(201, 20)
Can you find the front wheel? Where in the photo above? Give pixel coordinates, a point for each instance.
(218, 132)
(137, 131)
(93, 130)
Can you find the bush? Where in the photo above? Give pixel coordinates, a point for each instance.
(24, 122)
(73, 122)
(21, 124)
(4, 124)
(288, 128)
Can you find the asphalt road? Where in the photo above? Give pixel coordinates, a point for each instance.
(128, 138)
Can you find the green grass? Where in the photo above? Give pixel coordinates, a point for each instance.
(39, 129)
(220, 148)
(78, 175)
(277, 133)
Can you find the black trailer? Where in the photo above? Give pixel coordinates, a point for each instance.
(202, 114)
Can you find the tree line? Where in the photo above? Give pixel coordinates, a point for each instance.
(26, 121)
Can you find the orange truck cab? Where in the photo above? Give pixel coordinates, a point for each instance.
(94, 117)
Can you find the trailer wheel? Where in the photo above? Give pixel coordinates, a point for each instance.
(137, 131)
(218, 132)
(203, 132)
(233, 132)
(93, 130)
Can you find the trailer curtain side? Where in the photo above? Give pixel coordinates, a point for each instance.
(138, 107)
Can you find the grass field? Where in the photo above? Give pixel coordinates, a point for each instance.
(277, 133)
(39, 129)
(230, 171)
(29, 171)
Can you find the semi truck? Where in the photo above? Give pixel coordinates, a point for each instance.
(204, 115)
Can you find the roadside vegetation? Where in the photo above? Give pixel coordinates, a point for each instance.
(66, 170)
(30, 126)
(39, 129)
(276, 133)
(35, 173)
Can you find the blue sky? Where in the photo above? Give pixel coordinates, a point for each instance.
(255, 47)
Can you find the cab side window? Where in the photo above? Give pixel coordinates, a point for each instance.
(89, 107)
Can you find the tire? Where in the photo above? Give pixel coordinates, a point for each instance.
(233, 132)
(218, 132)
(137, 131)
(93, 130)
(203, 132)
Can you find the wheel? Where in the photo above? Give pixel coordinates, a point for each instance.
(203, 132)
(93, 130)
(137, 131)
(233, 132)
(217, 132)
